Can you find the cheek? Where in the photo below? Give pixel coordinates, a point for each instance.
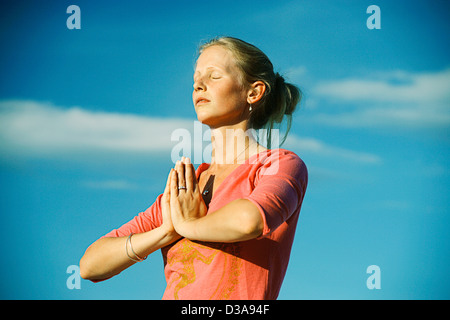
(232, 93)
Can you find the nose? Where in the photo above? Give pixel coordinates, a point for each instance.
(199, 85)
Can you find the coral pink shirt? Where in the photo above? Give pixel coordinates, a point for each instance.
(275, 181)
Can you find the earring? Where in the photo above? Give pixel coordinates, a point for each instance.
(250, 108)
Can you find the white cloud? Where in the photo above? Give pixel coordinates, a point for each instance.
(386, 117)
(397, 86)
(296, 74)
(314, 146)
(388, 99)
(33, 127)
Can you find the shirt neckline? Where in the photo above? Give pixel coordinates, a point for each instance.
(204, 166)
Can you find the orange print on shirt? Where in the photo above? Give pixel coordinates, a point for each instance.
(186, 252)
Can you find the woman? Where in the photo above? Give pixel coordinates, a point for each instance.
(226, 229)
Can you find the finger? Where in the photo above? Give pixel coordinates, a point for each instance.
(190, 175)
(169, 177)
(166, 195)
(181, 177)
(174, 201)
(174, 184)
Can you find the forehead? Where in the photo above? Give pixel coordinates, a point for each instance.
(215, 56)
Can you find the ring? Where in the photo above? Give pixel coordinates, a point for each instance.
(182, 187)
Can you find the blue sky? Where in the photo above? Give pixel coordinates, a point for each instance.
(86, 118)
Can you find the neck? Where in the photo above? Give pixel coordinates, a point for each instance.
(232, 145)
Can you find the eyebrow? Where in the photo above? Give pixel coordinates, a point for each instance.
(209, 68)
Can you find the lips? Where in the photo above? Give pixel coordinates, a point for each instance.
(200, 101)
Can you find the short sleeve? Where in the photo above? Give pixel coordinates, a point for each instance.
(280, 186)
(143, 222)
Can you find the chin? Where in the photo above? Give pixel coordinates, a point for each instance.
(206, 121)
(204, 117)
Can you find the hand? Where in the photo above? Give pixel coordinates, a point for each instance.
(186, 204)
(165, 207)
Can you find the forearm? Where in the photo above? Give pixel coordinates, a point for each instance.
(239, 220)
(107, 257)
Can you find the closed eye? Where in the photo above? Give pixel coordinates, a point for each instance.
(215, 75)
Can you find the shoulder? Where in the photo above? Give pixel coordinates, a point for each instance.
(202, 167)
(281, 161)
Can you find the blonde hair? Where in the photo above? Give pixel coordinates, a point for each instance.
(280, 98)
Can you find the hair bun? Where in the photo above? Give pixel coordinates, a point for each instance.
(289, 93)
(279, 80)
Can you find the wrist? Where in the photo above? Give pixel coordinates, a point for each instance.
(169, 233)
(186, 228)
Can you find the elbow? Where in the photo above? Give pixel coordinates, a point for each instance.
(89, 273)
(251, 224)
(88, 269)
(85, 272)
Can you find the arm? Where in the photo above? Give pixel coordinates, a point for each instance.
(239, 220)
(108, 257)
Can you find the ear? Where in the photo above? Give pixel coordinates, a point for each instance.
(256, 92)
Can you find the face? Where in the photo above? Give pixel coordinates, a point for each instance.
(219, 98)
